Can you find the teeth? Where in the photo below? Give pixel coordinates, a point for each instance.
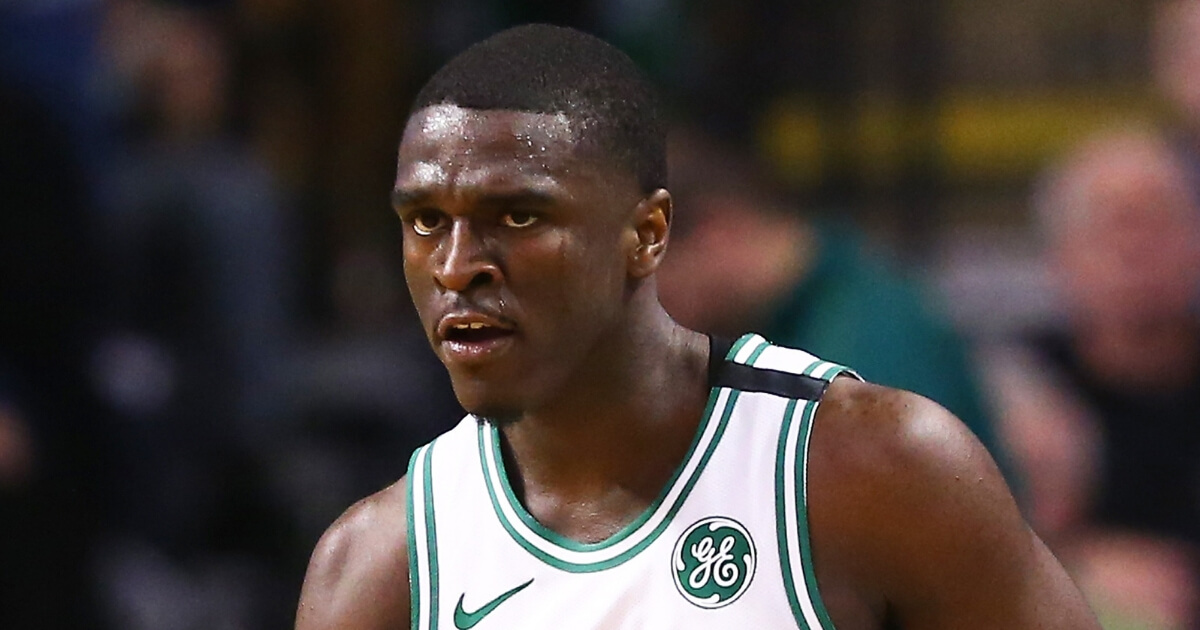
(476, 325)
(471, 326)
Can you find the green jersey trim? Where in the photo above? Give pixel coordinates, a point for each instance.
(575, 557)
(780, 509)
(431, 537)
(414, 571)
(422, 550)
(801, 473)
(791, 504)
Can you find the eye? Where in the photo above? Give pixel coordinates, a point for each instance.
(518, 219)
(425, 222)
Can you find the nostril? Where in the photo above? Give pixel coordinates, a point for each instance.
(481, 279)
(467, 276)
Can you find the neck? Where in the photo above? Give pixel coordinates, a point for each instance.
(1151, 356)
(589, 462)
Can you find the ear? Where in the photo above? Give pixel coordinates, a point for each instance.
(652, 225)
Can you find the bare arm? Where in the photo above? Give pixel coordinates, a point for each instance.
(911, 521)
(358, 576)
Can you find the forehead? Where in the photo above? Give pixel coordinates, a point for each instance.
(448, 143)
(1128, 182)
(1141, 184)
(451, 128)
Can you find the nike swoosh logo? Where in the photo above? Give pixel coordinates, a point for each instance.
(464, 620)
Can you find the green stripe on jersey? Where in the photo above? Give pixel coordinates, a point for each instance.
(431, 536)
(806, 556)
(576, 557)
(796, 466)
(414, 571)
(780, 518)
(422, 539)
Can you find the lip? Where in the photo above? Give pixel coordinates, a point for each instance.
(466, 318)
(473, 352)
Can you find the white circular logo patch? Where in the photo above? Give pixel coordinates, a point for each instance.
(713, 562)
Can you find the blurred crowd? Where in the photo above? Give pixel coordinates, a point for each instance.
(206, 350)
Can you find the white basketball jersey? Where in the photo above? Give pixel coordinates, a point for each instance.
(725, 545)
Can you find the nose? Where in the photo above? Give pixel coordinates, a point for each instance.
(466, 262)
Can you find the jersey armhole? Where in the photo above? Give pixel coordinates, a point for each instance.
(422, 541)
(791, 492)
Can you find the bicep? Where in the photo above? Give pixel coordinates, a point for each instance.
(357, 577)
(935, 531)
(1001, 579)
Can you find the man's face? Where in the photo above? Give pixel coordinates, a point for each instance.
(1134, 257)
(516, 244)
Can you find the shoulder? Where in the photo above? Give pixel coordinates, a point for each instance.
(880, 457)
(358, 574)
(909, 512)
(878, 431)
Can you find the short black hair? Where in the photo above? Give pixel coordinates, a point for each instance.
(546, 69)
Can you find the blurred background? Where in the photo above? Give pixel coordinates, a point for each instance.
(207, 350)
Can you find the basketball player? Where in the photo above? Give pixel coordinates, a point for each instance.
(616, 469)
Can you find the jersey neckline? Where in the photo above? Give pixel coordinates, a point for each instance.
(576, 557)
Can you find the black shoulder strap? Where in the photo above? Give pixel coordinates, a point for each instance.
(722, 373)
(718, 347)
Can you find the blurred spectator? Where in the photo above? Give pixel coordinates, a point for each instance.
(1122, 232)
(200, 315)
(186, 177)
(1101, 408)
(743, 258)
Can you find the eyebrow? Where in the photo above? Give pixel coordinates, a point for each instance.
(403, 198)
(522, 197)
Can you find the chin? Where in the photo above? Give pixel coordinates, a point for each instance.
(484, 407)
(498, 416)
(499, 420)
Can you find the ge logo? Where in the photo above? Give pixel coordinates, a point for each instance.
(713, 562)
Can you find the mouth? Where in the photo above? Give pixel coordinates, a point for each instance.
(473, 337)
(475, 333)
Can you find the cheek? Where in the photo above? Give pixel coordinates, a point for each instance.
(566, 276)
(417, 277)
(553, 269)
(603, 268)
